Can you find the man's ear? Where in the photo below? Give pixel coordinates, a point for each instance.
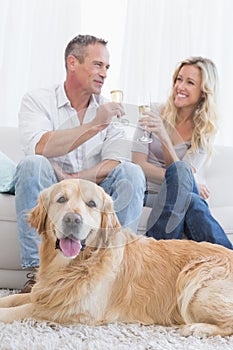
(71, 62)
(38, 215)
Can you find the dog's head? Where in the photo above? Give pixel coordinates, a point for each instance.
(75, 213)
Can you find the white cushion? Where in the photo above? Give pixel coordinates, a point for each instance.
(224, 215)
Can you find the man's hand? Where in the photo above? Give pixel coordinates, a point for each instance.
(95, 174)
(61, 174)
(106, 112)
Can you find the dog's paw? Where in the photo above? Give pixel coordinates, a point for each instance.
(4, 302)
(199, 330)
(4, 315)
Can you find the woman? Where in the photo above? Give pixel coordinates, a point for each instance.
(182, 131)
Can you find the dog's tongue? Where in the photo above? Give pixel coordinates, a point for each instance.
(70, 247)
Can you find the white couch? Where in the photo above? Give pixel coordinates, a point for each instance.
(218, 175)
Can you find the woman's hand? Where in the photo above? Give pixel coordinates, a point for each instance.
(154, 124)
(204, 191)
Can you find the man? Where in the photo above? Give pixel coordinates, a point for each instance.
(66, 131)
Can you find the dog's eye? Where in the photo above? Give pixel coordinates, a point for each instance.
(62, 199)
(91, 204)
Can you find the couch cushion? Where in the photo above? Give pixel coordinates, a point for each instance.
(223, 215)
(143, 220)
(218, 175)
(7, 207)
(10, 252)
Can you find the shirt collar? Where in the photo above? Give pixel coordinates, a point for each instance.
(62, 99)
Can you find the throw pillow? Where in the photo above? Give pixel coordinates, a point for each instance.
(7, 173)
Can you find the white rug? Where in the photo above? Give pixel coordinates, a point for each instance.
(30, 335)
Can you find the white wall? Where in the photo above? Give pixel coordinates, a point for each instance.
(146, 39)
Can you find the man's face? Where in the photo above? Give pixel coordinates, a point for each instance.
(89, 76)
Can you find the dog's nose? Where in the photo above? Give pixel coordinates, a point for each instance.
(72, 219)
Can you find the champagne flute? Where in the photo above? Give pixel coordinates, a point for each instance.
(117, 96)
(145, 138)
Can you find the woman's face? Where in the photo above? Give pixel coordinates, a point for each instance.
(187, 89)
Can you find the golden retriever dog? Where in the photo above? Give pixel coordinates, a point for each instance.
(93, 271)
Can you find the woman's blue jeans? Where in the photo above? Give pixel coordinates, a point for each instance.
(179, 210)
(35, 173)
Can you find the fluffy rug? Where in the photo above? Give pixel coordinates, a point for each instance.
(40, 336)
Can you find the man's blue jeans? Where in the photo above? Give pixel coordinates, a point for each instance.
(125, 184)
(179, 210)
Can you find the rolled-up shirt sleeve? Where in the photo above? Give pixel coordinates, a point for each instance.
(116, 145)
(33, 123)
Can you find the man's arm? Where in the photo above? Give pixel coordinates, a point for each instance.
(95, 174)
(60, 142)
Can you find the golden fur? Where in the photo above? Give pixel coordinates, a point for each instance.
(120, 276)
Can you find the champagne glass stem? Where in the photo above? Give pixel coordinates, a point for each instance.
(146, 136)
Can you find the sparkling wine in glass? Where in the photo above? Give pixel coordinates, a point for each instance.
(145, 138)
(117, 96)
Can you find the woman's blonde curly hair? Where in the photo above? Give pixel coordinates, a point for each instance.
(205, 116)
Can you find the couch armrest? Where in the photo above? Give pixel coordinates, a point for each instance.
(218, 175)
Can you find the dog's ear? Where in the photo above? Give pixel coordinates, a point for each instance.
(110, 220)
(38, 215)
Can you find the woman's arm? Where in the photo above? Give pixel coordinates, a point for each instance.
(153, 173)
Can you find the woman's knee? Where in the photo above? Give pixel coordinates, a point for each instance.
(179, 167)
(180, 172)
